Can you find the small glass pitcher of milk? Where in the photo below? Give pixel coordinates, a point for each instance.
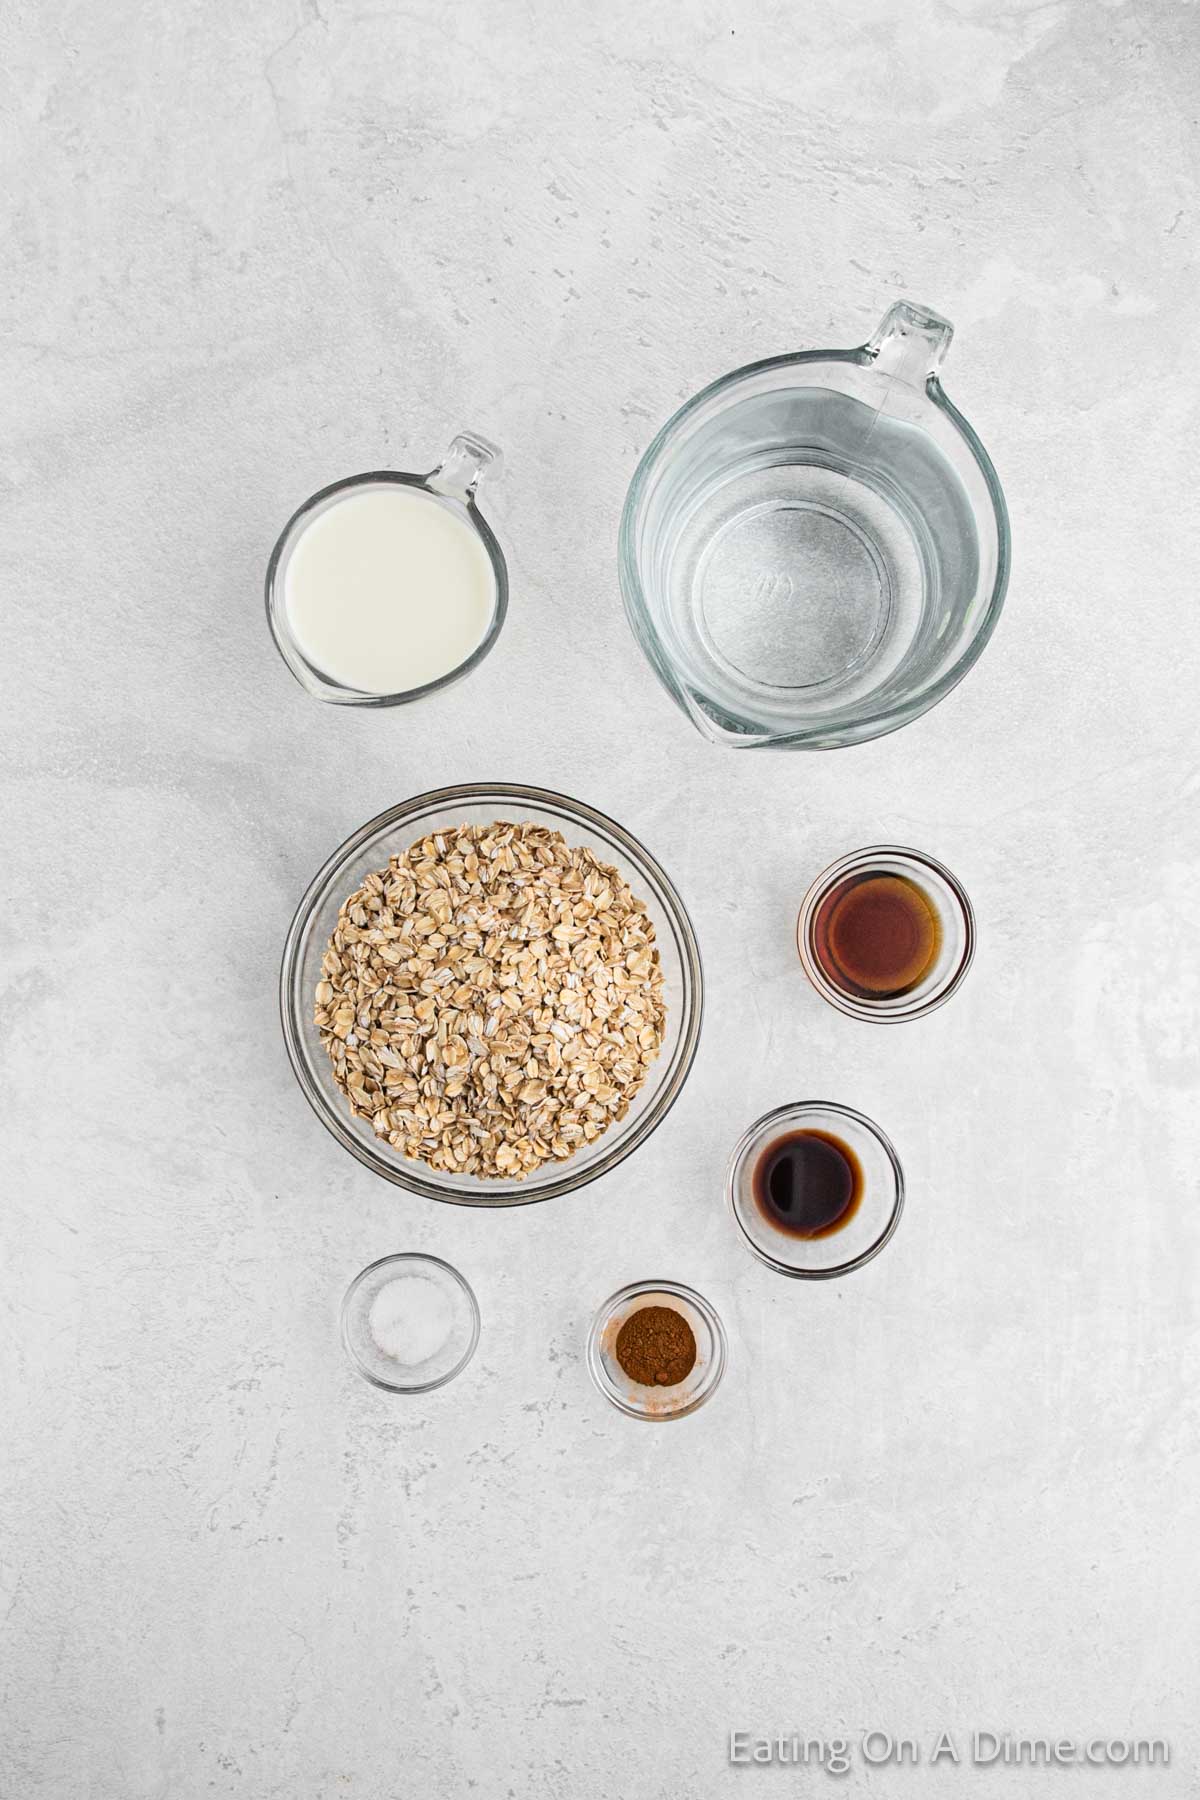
(386, 587)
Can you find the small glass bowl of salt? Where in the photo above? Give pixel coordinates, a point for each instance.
(410, 1323)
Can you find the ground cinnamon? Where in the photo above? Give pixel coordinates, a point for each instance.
(656, 1346)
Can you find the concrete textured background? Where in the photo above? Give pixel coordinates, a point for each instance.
(249, 249)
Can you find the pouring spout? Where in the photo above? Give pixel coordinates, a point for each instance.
(715, 727)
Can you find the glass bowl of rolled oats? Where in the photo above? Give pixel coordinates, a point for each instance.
(491, 994)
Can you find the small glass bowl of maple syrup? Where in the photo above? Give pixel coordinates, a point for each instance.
(886, 933)
(816, 1189)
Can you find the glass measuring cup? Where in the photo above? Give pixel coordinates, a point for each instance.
(451, 487)
(815, 549)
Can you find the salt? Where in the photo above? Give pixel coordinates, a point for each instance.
(410, 1319)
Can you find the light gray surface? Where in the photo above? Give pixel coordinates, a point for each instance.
(252, 249)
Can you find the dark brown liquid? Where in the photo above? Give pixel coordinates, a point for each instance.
(808, 1184)
(876, 936)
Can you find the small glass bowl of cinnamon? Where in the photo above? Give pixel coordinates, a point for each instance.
(657, 1350)
(886, 933)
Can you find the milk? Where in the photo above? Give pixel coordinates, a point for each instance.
(388, 588)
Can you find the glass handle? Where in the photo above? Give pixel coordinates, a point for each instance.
(463, 467)
(910, 342)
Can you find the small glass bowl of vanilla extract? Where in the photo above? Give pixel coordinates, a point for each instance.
(816, 1189)
(886, 933)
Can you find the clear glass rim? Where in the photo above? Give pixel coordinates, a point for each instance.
(323, 687)
(873, 723)
(852, 1005)
(337, 1120)
(792, 1110)
(381, 1262)
(677, 1290)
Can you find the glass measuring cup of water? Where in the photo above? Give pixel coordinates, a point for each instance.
(385, 587)
(815, 549)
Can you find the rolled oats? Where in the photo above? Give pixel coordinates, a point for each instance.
(492, 1000)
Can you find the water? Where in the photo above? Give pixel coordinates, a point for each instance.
(813, 555)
